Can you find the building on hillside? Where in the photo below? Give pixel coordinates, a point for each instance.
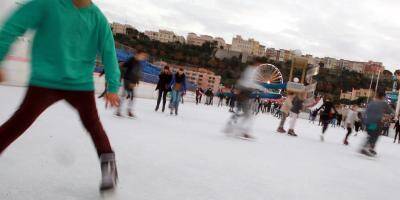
(164, 36)
(271, 53)
(356, 66)
(330, 63)
(194, 39)
(249, 46)
(372, 67)
(227, 53)
(355, 94)
(220, 42)
(118, 28)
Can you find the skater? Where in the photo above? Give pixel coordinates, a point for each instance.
(164, 79)
(374, 119)
(240, 122)
(286, 107)
(232, 101)
(350, 121)
(130, 79)
(397, 129)
(357, 123)
(208, 94)
(385, 129)
(221, 97)
(326, 115)
(63, 56)
(178, 86)
(297, 106)
(199, 95)
(339, 118)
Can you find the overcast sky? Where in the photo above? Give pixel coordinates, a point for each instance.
(359, 30)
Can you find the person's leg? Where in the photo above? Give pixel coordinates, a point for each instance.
(395, 136)
(131, 101)
(325, 124)
(35, 102)
(160, 93)
(85, 104)
(123, 95)
(349, 130)
(398, 134)
(164, 93)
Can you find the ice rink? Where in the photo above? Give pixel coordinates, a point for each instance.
(187, 157)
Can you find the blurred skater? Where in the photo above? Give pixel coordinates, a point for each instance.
(374, 119)
(241, 120)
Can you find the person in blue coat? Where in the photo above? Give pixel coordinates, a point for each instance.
(178, 87)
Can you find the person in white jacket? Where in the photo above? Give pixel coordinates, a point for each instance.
(351, 118)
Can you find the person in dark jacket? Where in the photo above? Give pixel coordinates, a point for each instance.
(164, 79)
(327, 113)
(178, 86)
(131, 74)
(199, 95)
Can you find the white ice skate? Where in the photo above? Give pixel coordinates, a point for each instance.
(108, 171)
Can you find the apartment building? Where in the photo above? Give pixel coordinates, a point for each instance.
(199, 40)
(355, 94)
(249, 46)
(164, 36)
(118, 28)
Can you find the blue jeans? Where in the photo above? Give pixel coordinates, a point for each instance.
(175, 99)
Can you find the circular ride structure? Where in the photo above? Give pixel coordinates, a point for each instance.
(270, 75)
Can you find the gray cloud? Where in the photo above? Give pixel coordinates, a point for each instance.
(351, 29)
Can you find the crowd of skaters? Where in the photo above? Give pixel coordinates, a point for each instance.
(68, 76)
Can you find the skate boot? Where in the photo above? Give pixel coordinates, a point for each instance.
(108, 171)
(373, 152)
(245, 136)
(292, 133)
(346, 143)
(130, 114)
(118, 114)
(367, 152)
(281, 130)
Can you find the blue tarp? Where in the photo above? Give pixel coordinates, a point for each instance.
(274, 85)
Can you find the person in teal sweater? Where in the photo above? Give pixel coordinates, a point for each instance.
(69, 35)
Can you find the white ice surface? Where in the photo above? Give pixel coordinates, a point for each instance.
(188, 158)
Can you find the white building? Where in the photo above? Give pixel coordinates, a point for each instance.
(118, 28)
(164, 36)
(249, 46)
(194, 39)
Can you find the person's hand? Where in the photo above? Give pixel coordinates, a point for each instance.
(112, 99)
(2, 75)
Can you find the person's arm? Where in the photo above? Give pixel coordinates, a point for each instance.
(172, 82)
(323, 105)
(184, 85)
(106, 49)
(28, 16)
